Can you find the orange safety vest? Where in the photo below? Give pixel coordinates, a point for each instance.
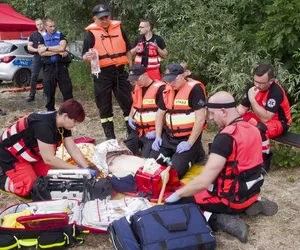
(12, 140)
(153, 56)
(180, 118)
(110, 44)
(262, 98)
(145, 107)
(238, 184)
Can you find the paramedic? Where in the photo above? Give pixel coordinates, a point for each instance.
(27, 147)
(231, 179)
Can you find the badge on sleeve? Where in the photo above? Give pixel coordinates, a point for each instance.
(271, 103)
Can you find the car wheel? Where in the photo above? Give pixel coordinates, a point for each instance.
(22, 78)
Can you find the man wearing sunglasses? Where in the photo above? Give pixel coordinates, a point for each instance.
(183, 117)
(268, 101)
(27, 147)
(149, 49)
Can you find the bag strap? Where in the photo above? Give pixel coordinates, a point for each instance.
(181, 226)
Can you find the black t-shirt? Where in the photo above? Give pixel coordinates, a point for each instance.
(196, 99)
(275, 97)
(35, 38)
(222, 145)
(89, 41)
(154, 39)
(42, 126)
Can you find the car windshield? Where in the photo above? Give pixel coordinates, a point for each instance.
(6, 48)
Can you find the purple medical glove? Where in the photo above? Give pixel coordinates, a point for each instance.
(172, 198)
(157, 143)
(132, 123)
(182, 147)
(92, 172)
(151, 135)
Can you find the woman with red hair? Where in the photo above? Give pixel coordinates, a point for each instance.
(27, 147)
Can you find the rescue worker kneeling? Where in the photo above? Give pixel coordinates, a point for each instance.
(183, 114)
(27, 147)
(231, 179)
(146, 95)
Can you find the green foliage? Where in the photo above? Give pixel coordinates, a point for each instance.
(80, 73)
(285, 156)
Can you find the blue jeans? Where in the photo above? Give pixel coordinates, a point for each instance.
(36, 68)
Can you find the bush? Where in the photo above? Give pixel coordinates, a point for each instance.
(80, 73)
(285, 156)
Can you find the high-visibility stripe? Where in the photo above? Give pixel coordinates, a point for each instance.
(126, 118)
(108, 119)
(250, 184)
(4, 135)
(180, 119)
(24, 155)
(145, 117)
(266, 143)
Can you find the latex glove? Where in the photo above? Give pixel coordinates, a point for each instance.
(182, 147)
(151, 135)
(92, 171)
(172, 198)
(157, 143)
(132, 123)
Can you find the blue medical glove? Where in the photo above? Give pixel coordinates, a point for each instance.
(172, 198)
(92, 172)
(132, 123)
(182, 147)
(151, 135)
(157, 143)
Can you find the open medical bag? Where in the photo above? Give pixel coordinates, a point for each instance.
(56, 224)
(163, 227)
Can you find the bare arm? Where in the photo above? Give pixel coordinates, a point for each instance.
(262, 114)
(129, 57)
(48, 154)
(133, 51)
(201, 182)
(159, 121)
(241, 109)
(58, 48)
(162, 52)
(75, 152)
(197, 129)
(31, 48)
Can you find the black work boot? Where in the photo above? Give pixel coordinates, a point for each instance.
(109, 132)
(3, 178)
(232, 224)
(265, 207)
(30, 98)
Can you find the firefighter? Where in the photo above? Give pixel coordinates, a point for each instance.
(113, 47)
(27, 147)
(231, 180)
(146, 96)
(183, 113)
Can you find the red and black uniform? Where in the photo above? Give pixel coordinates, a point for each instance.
(238, 184)
(112, 45)
(273, 100)
(180, 109)
(20, 159)
(147, 55)
(145, 101)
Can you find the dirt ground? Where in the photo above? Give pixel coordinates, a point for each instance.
(278, 232)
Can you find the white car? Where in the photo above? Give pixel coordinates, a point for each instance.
(16, 62)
